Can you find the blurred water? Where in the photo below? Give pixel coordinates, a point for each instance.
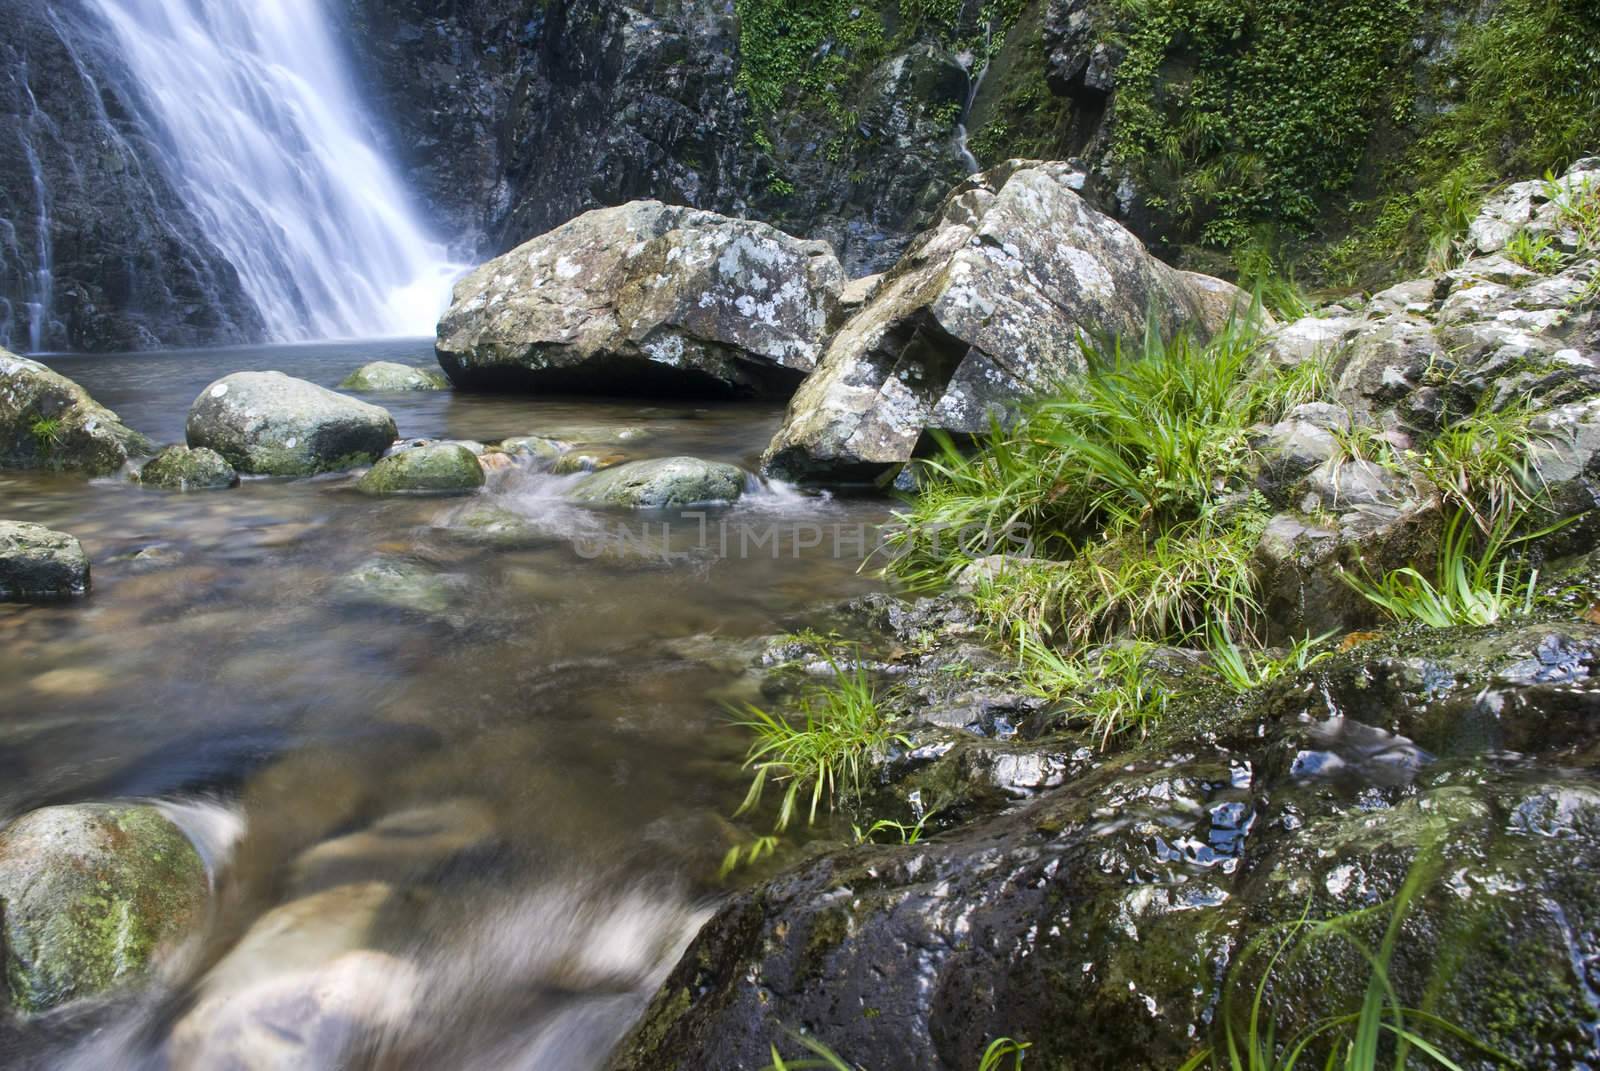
(468, 826)
(278, 161)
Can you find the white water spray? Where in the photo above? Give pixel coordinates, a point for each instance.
(278, 163)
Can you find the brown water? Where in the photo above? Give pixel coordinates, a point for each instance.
(494, 802)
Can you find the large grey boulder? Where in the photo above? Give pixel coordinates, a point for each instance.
(987, 308)
(644, 298)
(37, 563)
(49, 422)
(271, 424)
(665, 483)
(88, 893)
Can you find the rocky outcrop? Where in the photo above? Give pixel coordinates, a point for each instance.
(431, 469)
(49, 422)
(666, 483)
(987, 308)
(180, 468)
(36, 563)
(389, 377)
(88, 893)
(1095, 905)
(98, 248)
(271, 424)
(645, 299)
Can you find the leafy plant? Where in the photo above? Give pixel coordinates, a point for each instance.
(1534, 252)
(1353, 1040)
(748, 854)
(46, 432)
(1243, 669)
(1471, 586)
(825, 1058)
(821, 754)
(999, 1049)
(1113, 691)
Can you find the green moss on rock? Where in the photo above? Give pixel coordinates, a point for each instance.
(438, 468)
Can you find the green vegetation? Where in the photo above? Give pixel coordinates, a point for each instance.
(820, 756)
(1127, 484)
(1519, 97)
(1534, 252)
(1236, 115)
(46, 432)
(993, 1058)
(1352, 1040)
(1471, 585)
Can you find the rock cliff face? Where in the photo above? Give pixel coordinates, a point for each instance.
(513, 116)
(97, 249)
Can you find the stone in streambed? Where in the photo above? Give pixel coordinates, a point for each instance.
(645, 298)
(437, 468)
(88, 893)
(271, 424)
(180, 468)
(399, 584)
(388, 377)
(37, 563)
(49, 422)
(664, 483)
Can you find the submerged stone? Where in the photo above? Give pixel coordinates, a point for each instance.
(664, 483)
(436, 468)
(389, 377)
(182, 468)
(37, 563)
(88, 893)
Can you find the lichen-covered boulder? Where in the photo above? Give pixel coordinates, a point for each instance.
(37, 563)
(182, 468)
(271, 424)
(49, 422)
(88, 893)
(664, 483)
(987, 308)
(645, 298)
(390, 377)
(435, 469)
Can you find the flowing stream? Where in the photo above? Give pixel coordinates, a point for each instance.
(466, 819)
(278, 161)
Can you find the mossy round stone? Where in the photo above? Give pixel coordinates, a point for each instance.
(38, 563)
(388, 377)
(544, 451)
(664, 483)
(87, 893)
(437, 469)
(182, 468)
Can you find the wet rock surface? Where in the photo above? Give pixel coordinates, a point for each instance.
(39, 564)
(88, 894)
(645, 298)
(434, 468)
(182, 468)
(1092, 902)
(270, 424)
(49, 422)
(665, 483)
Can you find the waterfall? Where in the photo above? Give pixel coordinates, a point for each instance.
(41, 288)
(277, 160)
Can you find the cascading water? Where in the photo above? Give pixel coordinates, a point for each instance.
(41, 290)
(278, 163)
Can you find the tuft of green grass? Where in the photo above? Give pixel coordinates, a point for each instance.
(821, 754)
(1472, 585)
(1534, 252)
(993, 1058)
(46, 432)
(1352, 1040)
(1244, 669)
(1111, 690)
